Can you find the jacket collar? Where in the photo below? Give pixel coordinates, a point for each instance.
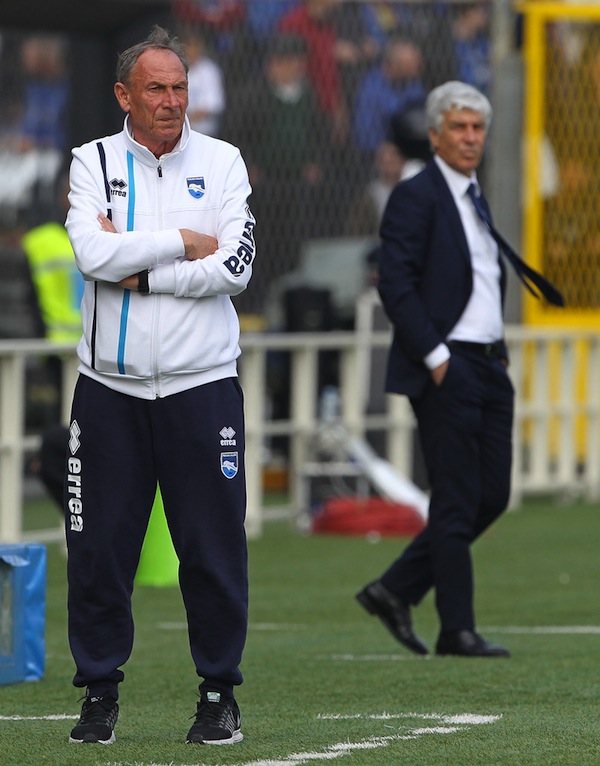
(145, 156)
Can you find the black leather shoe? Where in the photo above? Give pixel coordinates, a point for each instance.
(467, 643)
(394, 614)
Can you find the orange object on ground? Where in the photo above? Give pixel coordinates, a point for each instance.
(367, 515)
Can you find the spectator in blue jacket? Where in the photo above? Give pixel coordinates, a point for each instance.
(472, 45)
(388, 89)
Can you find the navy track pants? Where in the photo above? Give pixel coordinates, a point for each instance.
(120, 447)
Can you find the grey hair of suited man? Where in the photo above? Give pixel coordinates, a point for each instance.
(455, 95)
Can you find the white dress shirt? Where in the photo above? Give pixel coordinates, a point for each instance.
(481, 321)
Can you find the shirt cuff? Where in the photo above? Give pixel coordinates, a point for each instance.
(439, 355)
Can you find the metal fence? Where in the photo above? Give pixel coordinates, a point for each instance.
(561, 54)
(556, 433)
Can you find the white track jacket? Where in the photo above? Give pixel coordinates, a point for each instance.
(186, 332)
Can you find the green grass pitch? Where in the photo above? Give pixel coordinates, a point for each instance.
(325, 683)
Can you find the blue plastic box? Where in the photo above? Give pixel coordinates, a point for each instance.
(22, 612)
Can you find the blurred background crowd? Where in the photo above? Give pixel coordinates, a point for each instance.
(325, 100)
(323, 97)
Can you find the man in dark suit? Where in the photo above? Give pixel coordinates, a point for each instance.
(442, 283)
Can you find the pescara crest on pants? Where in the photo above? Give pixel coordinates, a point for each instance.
(229, 464)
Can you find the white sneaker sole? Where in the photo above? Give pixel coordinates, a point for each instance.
(237, 736)
(93, 741)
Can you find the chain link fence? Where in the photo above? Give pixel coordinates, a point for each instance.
(572, 114)
(323, 97)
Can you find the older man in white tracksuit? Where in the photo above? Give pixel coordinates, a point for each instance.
(163, 235)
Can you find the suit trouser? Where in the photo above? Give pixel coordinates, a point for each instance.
(465, 428)
(121, 448)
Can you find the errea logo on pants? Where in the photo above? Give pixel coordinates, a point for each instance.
(227, 435)
(74, 432)
(74, 500)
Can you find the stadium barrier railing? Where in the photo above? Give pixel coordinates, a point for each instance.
(556, 432)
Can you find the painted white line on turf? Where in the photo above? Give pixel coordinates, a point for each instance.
(534, 629)
(369, 657)
(451, 725)
(171, 625)
(274, 626)
(54, 717)
(463, 718)
(559, 630)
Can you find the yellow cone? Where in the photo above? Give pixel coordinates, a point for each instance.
(158, 563)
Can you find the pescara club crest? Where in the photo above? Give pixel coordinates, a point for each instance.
(196, 186)
(229, 464)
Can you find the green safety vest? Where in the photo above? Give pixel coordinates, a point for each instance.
(56, 279)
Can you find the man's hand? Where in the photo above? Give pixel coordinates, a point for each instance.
(106, 224)
(197, 245)
(439, 373)
(130, 283)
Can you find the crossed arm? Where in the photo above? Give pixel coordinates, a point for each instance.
(196, 246)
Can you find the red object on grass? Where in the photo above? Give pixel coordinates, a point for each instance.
(367, 515)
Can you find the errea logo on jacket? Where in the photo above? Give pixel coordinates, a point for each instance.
(117, 187)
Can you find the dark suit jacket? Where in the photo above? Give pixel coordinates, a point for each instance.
(425, 275)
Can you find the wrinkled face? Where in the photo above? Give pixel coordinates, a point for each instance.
(156, 99)
(461, 139)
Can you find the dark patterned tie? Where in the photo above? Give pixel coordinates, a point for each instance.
(526, 274)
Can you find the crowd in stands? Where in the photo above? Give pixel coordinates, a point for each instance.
(310, 90)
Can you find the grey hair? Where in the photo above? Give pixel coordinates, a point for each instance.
(455, 95)
(159, 39)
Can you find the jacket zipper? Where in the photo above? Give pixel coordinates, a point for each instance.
(155, 329)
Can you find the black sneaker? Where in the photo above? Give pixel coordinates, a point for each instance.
(217, 721)
(97, 721)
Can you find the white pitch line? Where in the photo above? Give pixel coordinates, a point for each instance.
(567, 630)
(534, 629)
(450, 724)
(266, 626)
(468, 719)
(369, 657)
(283, 626)
(340, 749)
(52, 717)
(171, 625)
